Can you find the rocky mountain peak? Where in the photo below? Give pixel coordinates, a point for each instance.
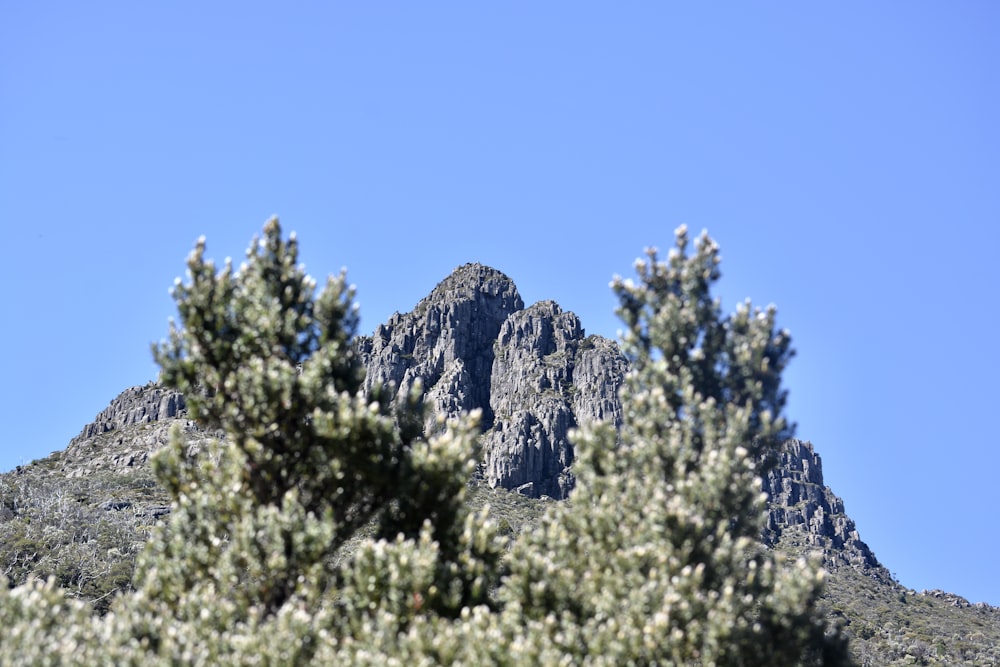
(473, 282)
(446, 341)
(534, 373)
(537, 375)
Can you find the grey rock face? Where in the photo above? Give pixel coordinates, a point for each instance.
(448, 337)
(547, 379)
(127, 447)
(125, 434)
(798, 499)
(135, 405)
(532, 372)
(597, 376)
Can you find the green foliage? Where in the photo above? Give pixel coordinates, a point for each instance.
(308, 459)
(654, 560)
(734, 360)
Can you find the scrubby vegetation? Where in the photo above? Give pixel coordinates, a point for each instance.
(324, 527)
(83, 532)
(889, 624)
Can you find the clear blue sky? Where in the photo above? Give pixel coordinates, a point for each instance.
(845, 156)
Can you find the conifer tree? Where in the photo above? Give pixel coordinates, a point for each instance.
(308, 461)
(656, 557)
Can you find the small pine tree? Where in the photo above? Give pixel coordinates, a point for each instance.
(308, 462)
(656, 557)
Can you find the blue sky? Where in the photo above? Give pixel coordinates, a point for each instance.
(846, 157)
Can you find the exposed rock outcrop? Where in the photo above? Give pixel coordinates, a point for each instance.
(956, 601)
(798, 499)
(135, 405)
(547, 379)
(446, 340)
(532, 372)
(125, 434)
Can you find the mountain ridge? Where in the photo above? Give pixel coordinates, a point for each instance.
(471, 343)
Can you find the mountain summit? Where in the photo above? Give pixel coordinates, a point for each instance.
(532, 371)
(536, 375)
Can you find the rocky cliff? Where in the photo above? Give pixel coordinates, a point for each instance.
(446, 341)
(124, 435)
(135, 405)
(800, 502)
(532, 371)
(547, 378)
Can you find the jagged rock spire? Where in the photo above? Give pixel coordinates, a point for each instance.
(446, 342)
(800, 501)
(472, 344)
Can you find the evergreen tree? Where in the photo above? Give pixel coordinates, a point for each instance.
(308, 462)
(656, 557)
(322, 527)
